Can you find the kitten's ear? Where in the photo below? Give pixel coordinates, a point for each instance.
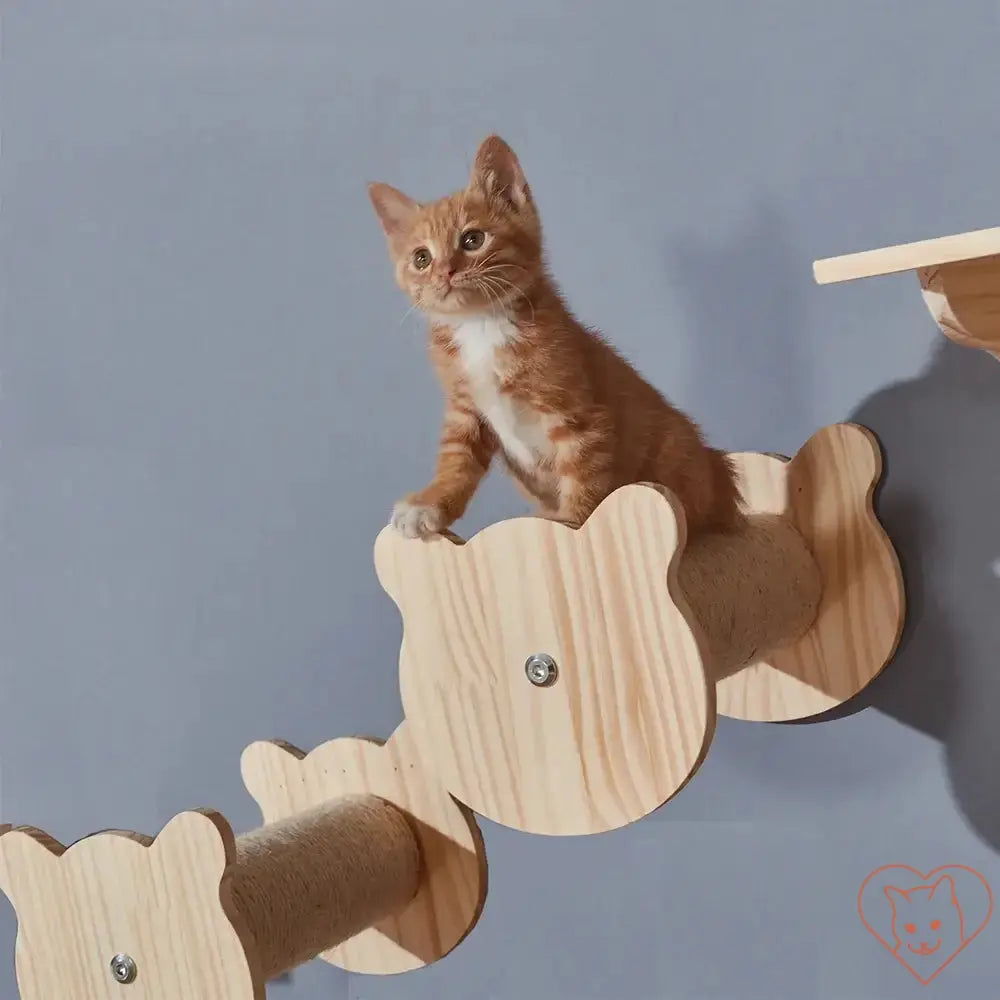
(394, 209)
(498, 172)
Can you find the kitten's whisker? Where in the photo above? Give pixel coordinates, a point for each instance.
(491, 272)
(491, 296)
(407, 313)
(517, 267)
(478, 265)
(506, 283)
(488, 284)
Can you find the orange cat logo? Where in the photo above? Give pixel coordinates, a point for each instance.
(925, 920)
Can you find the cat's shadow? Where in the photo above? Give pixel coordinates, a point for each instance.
(938, 499)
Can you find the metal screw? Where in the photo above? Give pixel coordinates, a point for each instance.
(541, 669)
(123, 968)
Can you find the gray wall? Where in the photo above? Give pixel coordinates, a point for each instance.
(209, 404)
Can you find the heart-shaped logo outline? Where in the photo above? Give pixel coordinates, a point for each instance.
(924, 879)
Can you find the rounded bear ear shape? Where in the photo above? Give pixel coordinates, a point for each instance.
(646, 504)
(849, 450)
(26, 853)
(199, 839)
(395, 555)
(262, 765)
(645, 522)
(388, 564)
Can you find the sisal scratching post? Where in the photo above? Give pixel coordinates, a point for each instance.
(307, 883)
(287, 782)
(566, 681)
(752, 591)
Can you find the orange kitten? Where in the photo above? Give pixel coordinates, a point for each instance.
(522, 378)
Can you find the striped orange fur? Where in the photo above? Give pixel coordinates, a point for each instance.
(523, 379)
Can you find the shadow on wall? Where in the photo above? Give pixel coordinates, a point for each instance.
(939, 498)
(747, 304)
(939, 501)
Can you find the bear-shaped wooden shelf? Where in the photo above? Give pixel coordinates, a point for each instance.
(286, 782)
(566, 680)
(959, 277)
(365, 861)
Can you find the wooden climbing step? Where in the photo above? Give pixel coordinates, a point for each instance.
(959, 279)
(908, 256)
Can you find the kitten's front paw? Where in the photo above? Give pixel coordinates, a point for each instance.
(413, 520)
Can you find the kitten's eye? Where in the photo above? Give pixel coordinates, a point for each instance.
(421, 258)
(935, 925)
(472, 239)
(910, 928)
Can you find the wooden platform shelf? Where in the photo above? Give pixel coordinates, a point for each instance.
(567, 681)
(364, 861)
(959, 277)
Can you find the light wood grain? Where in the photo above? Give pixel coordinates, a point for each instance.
(158, 901)
(964, 300)
(826, 490)
(908, 256)
(285, 782)
(631, 713)
(355, 831)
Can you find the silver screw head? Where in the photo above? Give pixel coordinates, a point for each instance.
(123, 968)
(541, 669)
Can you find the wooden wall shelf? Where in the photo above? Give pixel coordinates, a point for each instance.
(649, 637)
(959, 278)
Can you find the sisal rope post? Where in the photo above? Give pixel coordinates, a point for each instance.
(752, 591)
(307, 883)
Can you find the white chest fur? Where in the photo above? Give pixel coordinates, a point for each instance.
(523, 433)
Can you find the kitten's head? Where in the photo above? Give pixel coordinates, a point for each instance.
(474, 251)
(926, 916)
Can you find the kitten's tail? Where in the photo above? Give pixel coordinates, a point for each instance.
(728, 511)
